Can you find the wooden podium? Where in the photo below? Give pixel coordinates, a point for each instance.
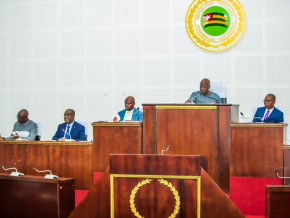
(110, 137)
(34, 196)
(257, 149)
(156, 186)
(192, 130)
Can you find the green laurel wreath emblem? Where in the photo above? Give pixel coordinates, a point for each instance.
(161, 181)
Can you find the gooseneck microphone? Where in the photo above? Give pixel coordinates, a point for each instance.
(47, 176)
(280, 177)
(195, 97)
(261, 120)
(242, 114)
(13, 173)
(66, 133)
(167, 149)
(137, 109)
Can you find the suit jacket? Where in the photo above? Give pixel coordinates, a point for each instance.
(137, 115)
(275, 117)
(77, 132)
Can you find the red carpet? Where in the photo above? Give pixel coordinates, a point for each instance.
(248, 194)
(80, 194)
(253, 216)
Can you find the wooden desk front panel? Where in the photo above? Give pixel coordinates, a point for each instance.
(135, 182)
(256, 149)
(277, 201)
(189, 132)
(111, 138)
(286, 168)
(31, 196)
(64, 159)
(155, 198)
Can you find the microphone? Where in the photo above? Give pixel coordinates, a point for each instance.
(13, 173)
(137, 109)
(66, 133)
(47, 176)
(167, 149)
(242, 114)
(259, 118)
(193, 98)
(280, 177)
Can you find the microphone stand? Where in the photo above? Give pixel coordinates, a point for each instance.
(167, 149)
(47, 176)
(66, 133)
(13, 173)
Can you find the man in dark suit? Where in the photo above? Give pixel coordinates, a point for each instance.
(70, 129)
(269, 114)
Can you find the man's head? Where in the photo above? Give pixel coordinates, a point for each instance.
(204, 86)
(22, 116)
(129, 103)
(269, 101)
(69, 116)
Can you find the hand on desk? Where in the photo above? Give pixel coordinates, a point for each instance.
(189, 102)
(62, 139)
(14, 136)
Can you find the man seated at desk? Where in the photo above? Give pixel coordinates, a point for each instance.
(70, 129)
(269, 114)
(24, 129)
(204, 95)
(129, 113)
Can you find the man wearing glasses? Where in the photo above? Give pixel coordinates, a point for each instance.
(23, 129)
(70, 130)
(269, 114)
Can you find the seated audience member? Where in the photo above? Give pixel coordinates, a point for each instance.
(269, 114)
(70, 129)
(24, 129)
(129, 113)
(204, 95)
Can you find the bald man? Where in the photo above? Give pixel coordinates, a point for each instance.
(204, 95)
(24, 129)
(129, 113)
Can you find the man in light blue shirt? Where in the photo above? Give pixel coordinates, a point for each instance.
(129, 113)
(204, 95)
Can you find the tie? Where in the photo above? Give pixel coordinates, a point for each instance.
(266, 115)
(67, 133)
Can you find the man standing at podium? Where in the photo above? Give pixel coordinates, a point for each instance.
(269, 114)
(204, 95)
(129, 113)
(70, 129)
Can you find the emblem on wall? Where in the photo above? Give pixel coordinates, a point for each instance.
(215, 26)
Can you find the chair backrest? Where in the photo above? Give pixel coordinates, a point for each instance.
(39, 130)
(220, 89)
(85, 124)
